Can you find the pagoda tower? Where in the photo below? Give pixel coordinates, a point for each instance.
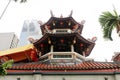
(60, 54)
(62, 42)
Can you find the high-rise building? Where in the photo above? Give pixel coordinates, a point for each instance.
(8, 40)
(30, 29)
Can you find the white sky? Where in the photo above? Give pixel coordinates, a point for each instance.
(88, 10)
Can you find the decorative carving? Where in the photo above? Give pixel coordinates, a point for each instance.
(61, 16)
(82, 22)
(40, 22)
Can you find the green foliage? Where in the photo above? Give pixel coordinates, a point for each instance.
(4, 66)
(108, 21)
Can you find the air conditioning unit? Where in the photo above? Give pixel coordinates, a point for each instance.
(61, 31)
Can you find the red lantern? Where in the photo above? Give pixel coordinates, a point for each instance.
(48, 27)
(61, 23)
(41, 45)
(62, 40)
(81, 44)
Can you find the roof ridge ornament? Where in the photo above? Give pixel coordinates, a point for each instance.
(94, 39)
(40, 22)
(82, 22)
(71, 13)
(61, 16)
(51, 13)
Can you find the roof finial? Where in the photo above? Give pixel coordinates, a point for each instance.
(71, 13)
(51, 13)
(61, 16)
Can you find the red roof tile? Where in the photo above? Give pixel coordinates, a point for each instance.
(81, 66)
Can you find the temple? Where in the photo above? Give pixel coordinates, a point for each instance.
(60, 52)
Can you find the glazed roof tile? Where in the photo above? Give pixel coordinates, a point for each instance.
(80, 66)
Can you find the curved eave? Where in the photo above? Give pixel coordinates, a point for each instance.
(56, 18)
(92, 44)
(48, 22)
(41, 39)
(46, 35)
(81, 39)
(81, 26)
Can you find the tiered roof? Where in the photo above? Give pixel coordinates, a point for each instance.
(75, 28)
(80, 42)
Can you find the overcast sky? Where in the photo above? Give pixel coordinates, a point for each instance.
(88, 10)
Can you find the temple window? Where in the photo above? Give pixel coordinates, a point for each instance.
(62, 56)
(62, 48)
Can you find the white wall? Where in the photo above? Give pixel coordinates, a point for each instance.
(78, 77)
(14, 77)
(60, 77)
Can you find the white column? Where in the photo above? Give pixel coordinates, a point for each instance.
(51, 50)
(72, 48)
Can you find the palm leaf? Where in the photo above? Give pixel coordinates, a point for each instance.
(105, 17)
(107, 30)
(108, 22)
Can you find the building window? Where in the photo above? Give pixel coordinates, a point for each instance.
(31, 27)
(24, 29)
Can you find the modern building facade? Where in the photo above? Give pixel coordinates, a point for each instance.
(60, 54)
(8, 41)
(30, 30)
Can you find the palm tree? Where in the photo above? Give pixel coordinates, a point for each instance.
(109, 21)
(4, 66)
